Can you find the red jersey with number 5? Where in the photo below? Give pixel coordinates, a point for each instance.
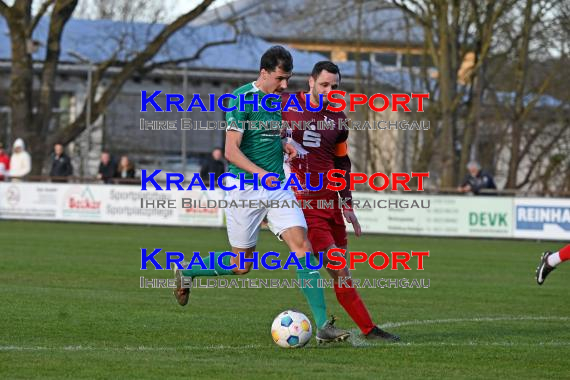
(316, 143)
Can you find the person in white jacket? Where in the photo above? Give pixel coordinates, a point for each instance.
(20, 162)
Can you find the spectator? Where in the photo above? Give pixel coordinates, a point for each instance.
(107, 168)
(20, 162)
(4, 163)
(477, 180)
(213, 164)
(60, 165)
(125, 169)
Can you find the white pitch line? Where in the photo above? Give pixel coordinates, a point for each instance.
(477, 319)
(130, 348)
(356, 341)
(224, 347)
(486, 344)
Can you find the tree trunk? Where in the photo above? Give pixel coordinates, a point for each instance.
(519, 106)
(61, 14)
(21, 76)
(447, 94)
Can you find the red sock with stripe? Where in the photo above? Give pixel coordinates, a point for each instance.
(350, 300)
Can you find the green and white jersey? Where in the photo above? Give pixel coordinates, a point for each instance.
(260, 145)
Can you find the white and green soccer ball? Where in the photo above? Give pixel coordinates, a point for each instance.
(291, 329)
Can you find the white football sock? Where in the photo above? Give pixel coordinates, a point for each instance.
(554, 259)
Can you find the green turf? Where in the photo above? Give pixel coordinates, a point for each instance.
(71, 307)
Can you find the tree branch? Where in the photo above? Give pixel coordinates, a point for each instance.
(414, 15)
(4, 9)
(540, 156)
(38, 16)
(74, 129)
(145, 70)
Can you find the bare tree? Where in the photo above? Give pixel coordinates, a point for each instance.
(528, 95)
(31, 114)
(453, 31)
(123, 10)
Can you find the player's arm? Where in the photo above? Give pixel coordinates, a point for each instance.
(237, 121)
(236, 156)
(342, 161)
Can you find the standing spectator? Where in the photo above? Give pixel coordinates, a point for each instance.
(20, 162)
(213, 164)
(60, 165)
(477, 180)
(4, 163)
(107, 168)
(125, 169)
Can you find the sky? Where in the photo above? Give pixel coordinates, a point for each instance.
(176, 7)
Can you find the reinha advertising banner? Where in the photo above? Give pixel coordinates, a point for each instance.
(406, 214)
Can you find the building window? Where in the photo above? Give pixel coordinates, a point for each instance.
(386, 59)
(359, 56)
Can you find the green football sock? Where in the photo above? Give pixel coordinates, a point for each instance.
(197, 271)
(315, 295)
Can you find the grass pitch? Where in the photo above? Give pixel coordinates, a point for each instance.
(71, 307)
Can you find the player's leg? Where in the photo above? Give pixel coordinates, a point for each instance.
(289, 225)
(296, 239)
(349, 298)
(243, 226)
(327, 231)
(185, 277)
(549, 261)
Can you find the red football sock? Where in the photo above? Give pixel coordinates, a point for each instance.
(350, 300)
(565, 253)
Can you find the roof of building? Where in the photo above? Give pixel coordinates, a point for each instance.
(97, 40)
(323, 21)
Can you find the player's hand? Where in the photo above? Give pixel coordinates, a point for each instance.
(351, 218)
(290, 151)
(268, 180)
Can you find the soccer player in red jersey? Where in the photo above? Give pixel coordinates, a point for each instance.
(548, 262)
(319, 150)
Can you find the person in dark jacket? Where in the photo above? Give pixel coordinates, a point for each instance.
(126, 169)
(60, 165)
(107, 168)
(214, 164)
(477, 180)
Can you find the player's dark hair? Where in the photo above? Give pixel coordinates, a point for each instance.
(325, 65)
(274, 57)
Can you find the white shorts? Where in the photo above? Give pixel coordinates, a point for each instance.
(243, 223)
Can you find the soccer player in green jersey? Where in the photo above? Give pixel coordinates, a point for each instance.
(250, 149)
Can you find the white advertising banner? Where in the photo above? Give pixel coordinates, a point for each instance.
(106, 204)
(542, 218)
(406, 214)
(38, 201)
(435, 215)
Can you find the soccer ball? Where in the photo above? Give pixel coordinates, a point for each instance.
(291, 329)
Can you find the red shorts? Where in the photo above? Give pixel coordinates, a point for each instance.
(326, 227)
